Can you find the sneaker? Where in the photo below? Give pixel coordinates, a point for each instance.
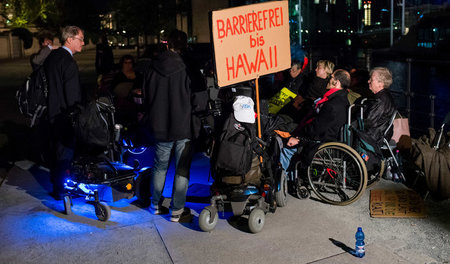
(154, 209)
(175, 217)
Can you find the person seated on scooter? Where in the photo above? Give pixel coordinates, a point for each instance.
(330, 114)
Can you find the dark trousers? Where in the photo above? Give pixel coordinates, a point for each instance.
(62, 148)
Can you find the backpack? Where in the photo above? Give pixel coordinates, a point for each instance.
(233, 153)
(93, 122)
(32, 95)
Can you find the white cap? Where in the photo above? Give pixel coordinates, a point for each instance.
(243, 109)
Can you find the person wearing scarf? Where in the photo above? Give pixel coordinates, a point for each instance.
(325, 123)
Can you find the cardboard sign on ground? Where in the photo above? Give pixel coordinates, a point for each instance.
(396, 203)
(251, 41)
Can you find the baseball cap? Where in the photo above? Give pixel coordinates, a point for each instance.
(243, 109)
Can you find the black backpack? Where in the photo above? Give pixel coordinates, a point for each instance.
(32, 96)
(233, 152)
(93, 123)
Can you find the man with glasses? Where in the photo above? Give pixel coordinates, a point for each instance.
(64, 91)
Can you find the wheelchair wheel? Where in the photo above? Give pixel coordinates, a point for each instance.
(256, 220)
(102, 211)
(375, 177)
(142, 188)
(302, 192)
(281, 194)
(204, 220)
(337, 174)
(68, 205)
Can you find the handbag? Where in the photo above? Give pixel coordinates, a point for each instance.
(401, 133)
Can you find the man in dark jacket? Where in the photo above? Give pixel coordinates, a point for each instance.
(64, 91)
(381, 107)
(167, 100)
(325, 125)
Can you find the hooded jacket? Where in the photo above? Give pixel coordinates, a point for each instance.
(167, 98)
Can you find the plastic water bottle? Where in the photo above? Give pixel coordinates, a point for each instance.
(360, 250)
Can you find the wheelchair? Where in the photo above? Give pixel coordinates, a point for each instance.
(338, 173)
(98, 173)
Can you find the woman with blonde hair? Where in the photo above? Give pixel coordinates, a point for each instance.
(319, 82)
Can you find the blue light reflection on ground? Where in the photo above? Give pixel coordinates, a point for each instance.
(199, 169)
(45, 227)
(48, 221)
(199, 187)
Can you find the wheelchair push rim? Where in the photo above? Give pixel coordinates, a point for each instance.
(337, 174)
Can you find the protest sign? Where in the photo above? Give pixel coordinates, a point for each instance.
(251, 41)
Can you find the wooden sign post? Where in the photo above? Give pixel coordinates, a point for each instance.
(251, 41)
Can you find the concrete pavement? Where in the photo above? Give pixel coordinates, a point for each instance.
(34, 229)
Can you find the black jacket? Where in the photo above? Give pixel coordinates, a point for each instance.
(167, 98)
(313, 87)
(294, 84)
(326, 125)
(64, 90)
(377, 115)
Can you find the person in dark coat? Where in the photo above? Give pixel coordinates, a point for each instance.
(125, 84)
(167, 102)
(325, 125)
(316, 86)
(296, 76)
(380, 107)
(104, 59)
(64, 92)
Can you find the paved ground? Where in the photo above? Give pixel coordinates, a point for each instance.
(34, 228)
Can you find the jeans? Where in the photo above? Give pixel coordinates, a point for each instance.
(183, 158)
(285, 157)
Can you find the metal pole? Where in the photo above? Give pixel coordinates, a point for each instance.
(300, 22)
(432, 97)
(368, 59)
(392, 23)
(258, 112)
(403, 17)
(408, 88)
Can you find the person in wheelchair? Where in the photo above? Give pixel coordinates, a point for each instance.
(323, 125)
(380, 107)
(377, 115)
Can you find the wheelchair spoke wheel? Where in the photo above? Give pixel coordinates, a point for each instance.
(337, 174)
